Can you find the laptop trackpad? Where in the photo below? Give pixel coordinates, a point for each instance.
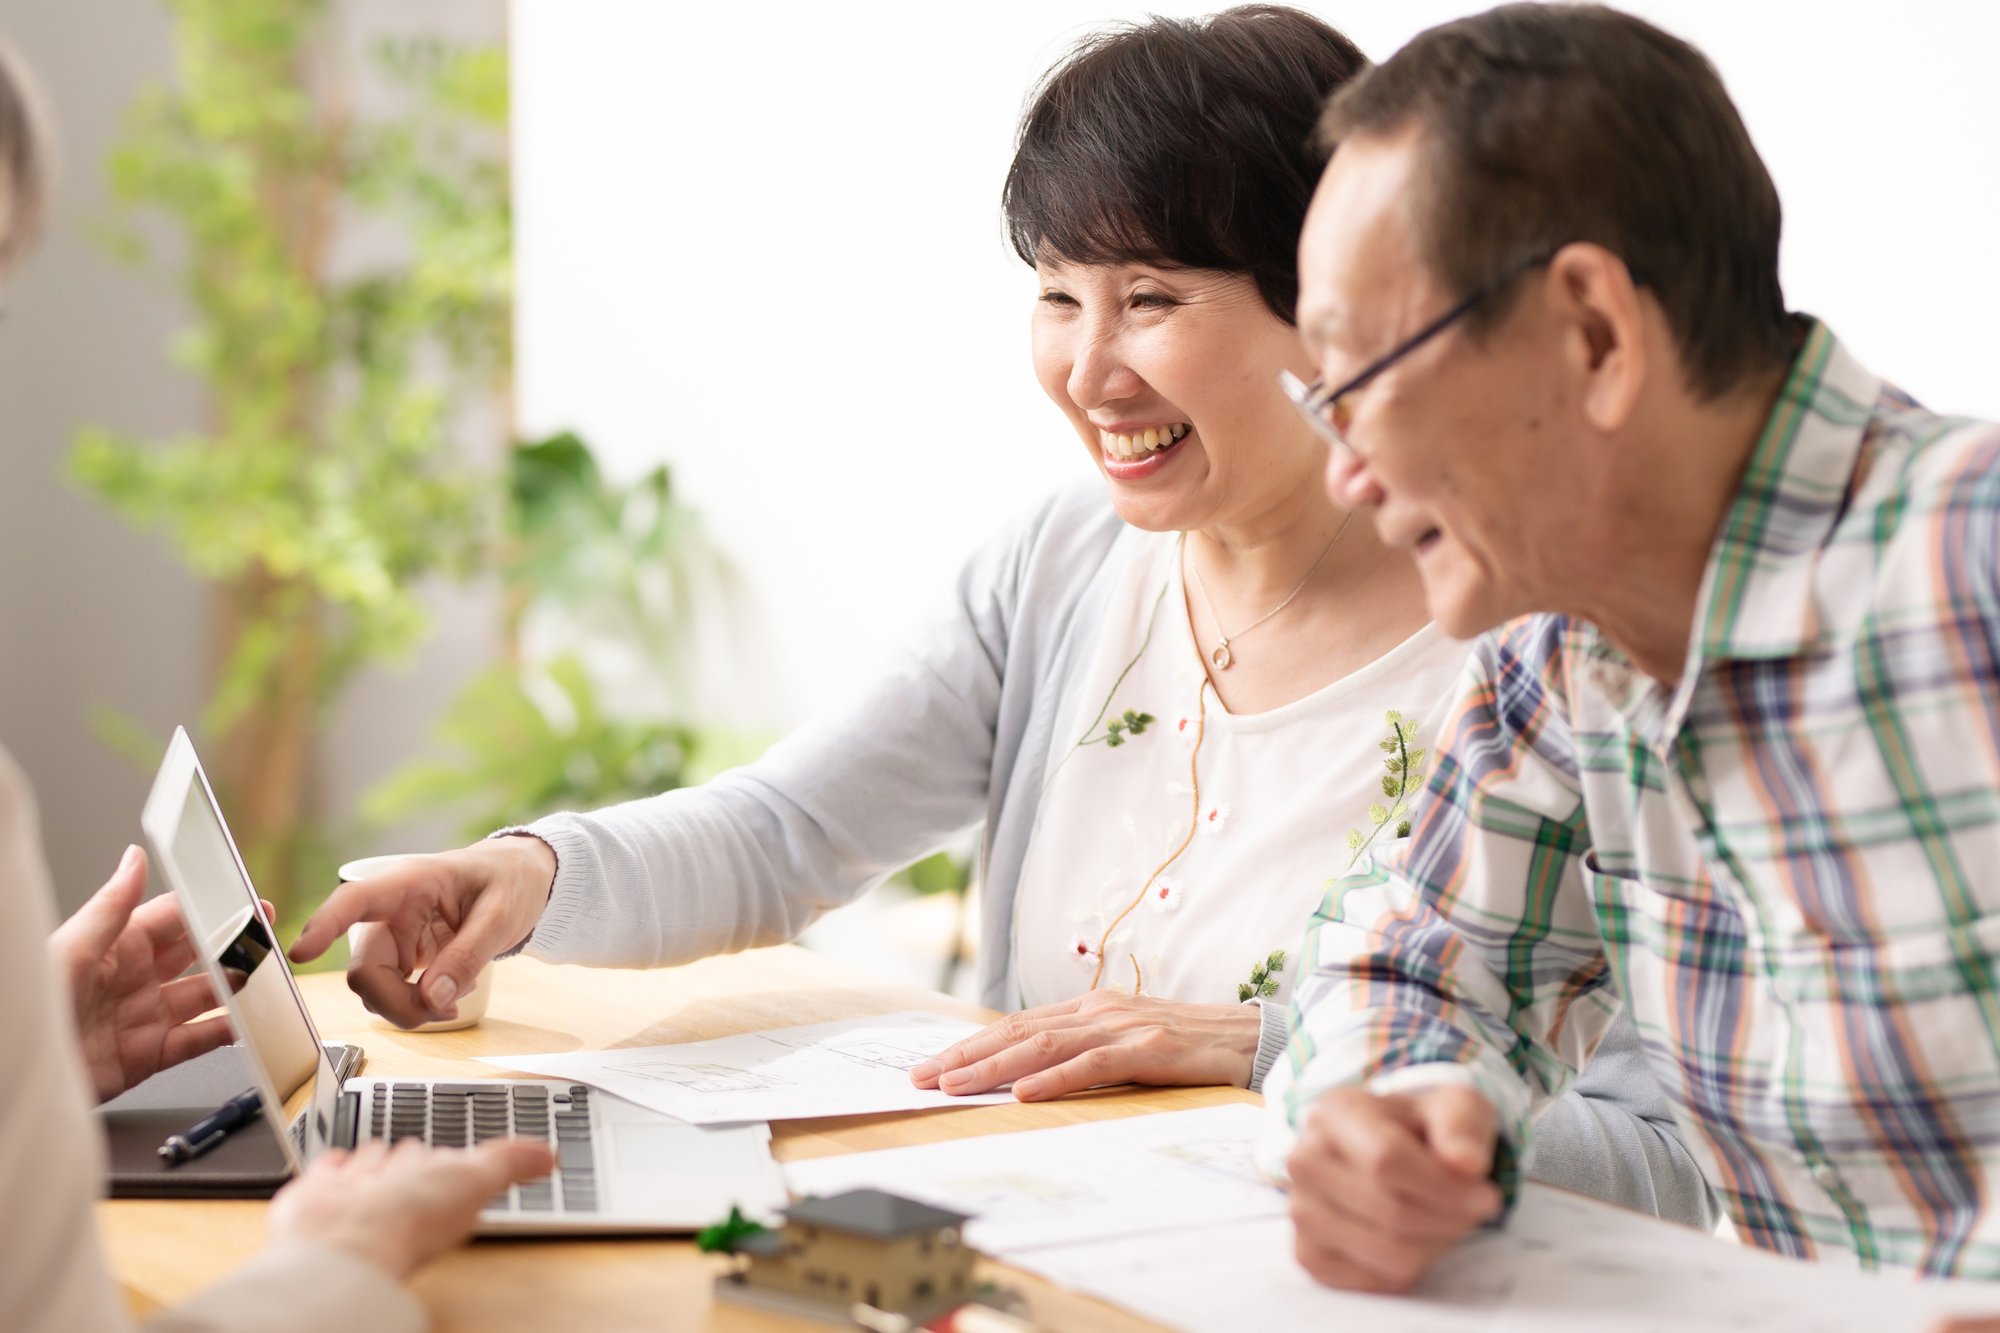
(693, 1174)
(644, 1147)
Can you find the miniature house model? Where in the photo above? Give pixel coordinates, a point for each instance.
(865, 1245)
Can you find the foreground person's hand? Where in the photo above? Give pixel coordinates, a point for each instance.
(401, 1208)
(1384, 1185)
(1098, 1038)
(122, 960)
(1976, 1323)
(447, 915)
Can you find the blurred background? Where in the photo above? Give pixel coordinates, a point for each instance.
(452, 410)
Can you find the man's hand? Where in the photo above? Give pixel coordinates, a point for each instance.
(1098, 1038)
(1384, 1185)
(120, 959)
(446, 915)
(399, 1209)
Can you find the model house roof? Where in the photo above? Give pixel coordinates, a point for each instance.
(872, 1213)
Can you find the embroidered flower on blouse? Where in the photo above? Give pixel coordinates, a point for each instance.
(1187, 726)
(1165, 894)
(1217, 817)
(1083, 949)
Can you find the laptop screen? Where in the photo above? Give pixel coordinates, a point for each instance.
(193, 848)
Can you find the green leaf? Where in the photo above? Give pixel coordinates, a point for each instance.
(1243, 993)
(1390, 744)
(1276, 962)
(506, 761)
(1378, 814)
(1392, 788)
(1354, 839)
(1403, 829)
(1392, 717)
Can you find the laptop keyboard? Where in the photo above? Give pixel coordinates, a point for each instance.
(460, 1115)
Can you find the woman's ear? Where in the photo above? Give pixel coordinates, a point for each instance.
(1594, 293)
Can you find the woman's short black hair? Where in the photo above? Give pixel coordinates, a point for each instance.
(1186, 143)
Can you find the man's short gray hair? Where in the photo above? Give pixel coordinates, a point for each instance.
(26, 158)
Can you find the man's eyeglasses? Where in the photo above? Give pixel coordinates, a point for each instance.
(1322, 407)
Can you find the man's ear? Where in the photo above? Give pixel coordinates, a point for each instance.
(1596, 299)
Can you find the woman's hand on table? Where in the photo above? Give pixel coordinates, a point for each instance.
(399, 1208)
(122, 960)
(1099, 1038)
(446, 916)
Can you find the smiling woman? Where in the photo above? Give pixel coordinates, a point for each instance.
(1169, 696)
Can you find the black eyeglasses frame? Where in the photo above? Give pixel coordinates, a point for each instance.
(1313, 400)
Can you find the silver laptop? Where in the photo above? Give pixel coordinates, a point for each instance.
(623, 1168)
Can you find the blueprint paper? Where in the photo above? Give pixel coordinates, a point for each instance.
(1564, 1264)
(853, 1067)
(1041, 1187)
(1165, 1215)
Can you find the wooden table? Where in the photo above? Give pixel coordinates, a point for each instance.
(164, 1250)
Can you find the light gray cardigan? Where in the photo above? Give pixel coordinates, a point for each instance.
(958, 731)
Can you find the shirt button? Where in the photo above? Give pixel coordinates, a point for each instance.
(1828, 1178)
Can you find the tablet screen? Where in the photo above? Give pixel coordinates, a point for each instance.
(227, 921)
(193, 848)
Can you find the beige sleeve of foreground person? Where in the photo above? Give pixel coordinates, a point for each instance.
(53, 1277)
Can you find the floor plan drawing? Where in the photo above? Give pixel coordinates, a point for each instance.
(853, 1067)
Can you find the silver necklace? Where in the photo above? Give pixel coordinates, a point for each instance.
(1222, 657)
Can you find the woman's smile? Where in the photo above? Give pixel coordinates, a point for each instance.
(1130, 455)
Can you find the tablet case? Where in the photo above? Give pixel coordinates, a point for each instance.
(248, 1164)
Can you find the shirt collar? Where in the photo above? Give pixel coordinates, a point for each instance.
(1756, 598)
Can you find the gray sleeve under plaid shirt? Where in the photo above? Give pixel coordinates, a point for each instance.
(1789, 866)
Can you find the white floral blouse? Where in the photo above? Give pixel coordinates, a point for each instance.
(1179, 849)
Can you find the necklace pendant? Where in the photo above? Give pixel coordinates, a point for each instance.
(1221, 656)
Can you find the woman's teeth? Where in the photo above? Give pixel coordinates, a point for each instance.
(1128, 447)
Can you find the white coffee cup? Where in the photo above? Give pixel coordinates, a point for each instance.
(472, 1005)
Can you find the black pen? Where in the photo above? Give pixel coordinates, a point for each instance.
(211, 1129)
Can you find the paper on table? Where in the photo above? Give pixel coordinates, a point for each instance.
(1078, 1182)
(853, 1067)
(1564, 1264)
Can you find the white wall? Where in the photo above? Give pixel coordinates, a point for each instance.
(90, 613)
(762, 243)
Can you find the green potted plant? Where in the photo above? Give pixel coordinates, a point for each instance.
(326, 483)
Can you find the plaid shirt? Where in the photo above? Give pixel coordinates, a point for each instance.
(1789, 866)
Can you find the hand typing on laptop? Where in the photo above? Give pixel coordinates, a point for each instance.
(399, 1208)
(446, 916)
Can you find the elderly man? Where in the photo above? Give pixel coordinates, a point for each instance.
(1730, 749)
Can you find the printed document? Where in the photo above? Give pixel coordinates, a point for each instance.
(853, 1067)
(1165, 1216)
(1564, 1264)
(1043, 1187)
